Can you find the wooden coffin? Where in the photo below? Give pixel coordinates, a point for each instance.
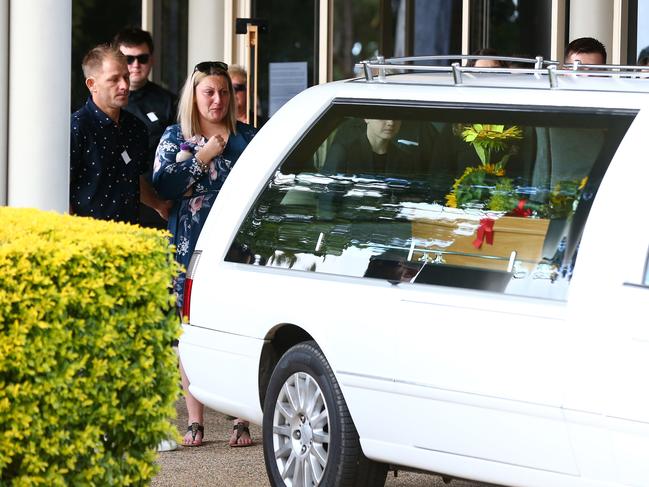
(452, 241)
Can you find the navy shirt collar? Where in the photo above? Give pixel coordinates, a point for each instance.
(103, 119)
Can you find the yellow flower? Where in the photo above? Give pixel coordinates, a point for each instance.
(494, 169)
(451, 201)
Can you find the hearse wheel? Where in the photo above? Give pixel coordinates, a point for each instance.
(309, 436)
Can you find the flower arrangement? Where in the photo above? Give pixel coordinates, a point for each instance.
(486, 185)
(563, 196)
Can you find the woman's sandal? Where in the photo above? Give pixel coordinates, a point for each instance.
(194, 429)
(240, 428)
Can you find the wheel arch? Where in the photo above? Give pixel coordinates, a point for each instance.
(277, 341)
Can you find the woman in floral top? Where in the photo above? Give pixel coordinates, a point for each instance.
(193, 160)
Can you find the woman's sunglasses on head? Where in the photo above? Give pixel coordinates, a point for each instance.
(206, 67)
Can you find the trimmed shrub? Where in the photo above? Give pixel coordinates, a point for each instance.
(88, 377)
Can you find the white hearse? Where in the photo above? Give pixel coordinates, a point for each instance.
(443, 268)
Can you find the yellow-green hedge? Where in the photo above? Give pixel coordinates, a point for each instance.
(88, 377)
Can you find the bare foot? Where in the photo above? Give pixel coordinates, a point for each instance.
(240, 434)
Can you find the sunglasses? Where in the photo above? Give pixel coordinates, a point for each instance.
(239, 87)
(141, 58)
(206, 67)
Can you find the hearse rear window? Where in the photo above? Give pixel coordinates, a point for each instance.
(486, 198)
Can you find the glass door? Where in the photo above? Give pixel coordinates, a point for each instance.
(287, 50)
(511, 27)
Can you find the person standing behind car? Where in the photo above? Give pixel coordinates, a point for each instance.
(586, 50)
(108, 146)
(239, 79)
(148, 101)
(193, 160)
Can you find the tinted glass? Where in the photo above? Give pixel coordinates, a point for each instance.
(519, 27)
(478, 197)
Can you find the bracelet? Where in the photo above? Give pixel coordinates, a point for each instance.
(201, 164)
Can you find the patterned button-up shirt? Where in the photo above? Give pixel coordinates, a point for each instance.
(106, 160)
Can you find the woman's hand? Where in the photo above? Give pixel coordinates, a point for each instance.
(212, 148)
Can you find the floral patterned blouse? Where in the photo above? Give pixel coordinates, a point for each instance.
(177, 176)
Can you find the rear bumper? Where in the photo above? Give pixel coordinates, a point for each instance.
(223, 370)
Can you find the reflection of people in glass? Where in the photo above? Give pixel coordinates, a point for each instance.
(391, 267)
(369, 151)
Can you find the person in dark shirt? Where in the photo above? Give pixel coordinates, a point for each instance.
(148, 101)
(368, 149)
(108, 146)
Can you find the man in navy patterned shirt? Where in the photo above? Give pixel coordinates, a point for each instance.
(108, 146)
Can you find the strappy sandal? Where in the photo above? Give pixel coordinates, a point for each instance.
(194, 429)
(240, 428)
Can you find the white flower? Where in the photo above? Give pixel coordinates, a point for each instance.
(168, 146)
(183, 246)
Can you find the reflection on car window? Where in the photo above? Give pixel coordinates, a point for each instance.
(475, 199)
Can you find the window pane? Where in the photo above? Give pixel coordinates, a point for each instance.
(355, 36)
(643, 30)
(438, 27)
(519, 27)
(290, 37)
(95, 22)
(473, 198)
(170, 33)
(363, 30)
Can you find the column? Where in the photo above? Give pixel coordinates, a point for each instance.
(4, 98)
(239, 51)
(39, 103)
(325, 41)
(205, 35)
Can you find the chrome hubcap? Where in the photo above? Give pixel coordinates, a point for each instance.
(301, 431)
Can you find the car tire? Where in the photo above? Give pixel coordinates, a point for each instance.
(309, 436)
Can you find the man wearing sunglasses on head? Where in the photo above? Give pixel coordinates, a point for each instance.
(148, 101)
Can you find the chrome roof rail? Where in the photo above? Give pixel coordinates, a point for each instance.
(552, 76)
(470, 57)
(457, 73)
(538, 66)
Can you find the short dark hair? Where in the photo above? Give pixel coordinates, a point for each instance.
(133, 36)
(585, 45)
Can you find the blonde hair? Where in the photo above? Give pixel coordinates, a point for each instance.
(236, 70)
(93, 61)
(188, 116)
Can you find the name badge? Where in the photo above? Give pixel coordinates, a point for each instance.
(126, 157)
(152, 116)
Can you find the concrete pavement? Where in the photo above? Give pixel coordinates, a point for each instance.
(215, 464)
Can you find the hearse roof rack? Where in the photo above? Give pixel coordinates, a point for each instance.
(538, 66)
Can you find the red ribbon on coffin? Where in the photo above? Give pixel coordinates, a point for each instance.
(485, 232)
(520, 209)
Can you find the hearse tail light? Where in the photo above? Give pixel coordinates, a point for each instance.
(189, 280)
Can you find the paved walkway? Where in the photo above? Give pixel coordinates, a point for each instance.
(215, 464)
